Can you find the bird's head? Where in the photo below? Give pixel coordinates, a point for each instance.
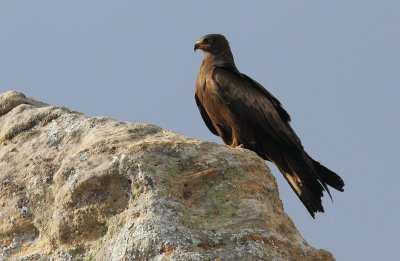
(213, 43)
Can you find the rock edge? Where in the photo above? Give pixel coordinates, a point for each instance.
(80, 188)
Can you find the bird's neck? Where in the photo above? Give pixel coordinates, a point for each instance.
(225, 58)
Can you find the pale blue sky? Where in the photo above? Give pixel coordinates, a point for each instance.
(335, 66)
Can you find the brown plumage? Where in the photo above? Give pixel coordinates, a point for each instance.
(244, 114)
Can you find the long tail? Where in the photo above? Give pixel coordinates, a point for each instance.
(308, 178)
(329, 177)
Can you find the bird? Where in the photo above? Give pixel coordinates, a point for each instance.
(246, 115)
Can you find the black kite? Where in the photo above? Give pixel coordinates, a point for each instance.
(244, 114)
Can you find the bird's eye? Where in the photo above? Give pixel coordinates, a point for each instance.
(207, 40)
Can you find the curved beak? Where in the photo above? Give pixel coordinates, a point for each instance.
(200, 45)
(196, 46)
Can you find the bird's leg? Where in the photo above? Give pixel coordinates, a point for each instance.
(236, 144)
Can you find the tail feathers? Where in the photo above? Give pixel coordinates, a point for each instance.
(329, 177)
(309, 192)
(308, 178)
(303, 179)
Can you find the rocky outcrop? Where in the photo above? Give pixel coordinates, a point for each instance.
(79, 188)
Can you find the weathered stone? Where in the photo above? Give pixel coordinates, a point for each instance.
(79, 188)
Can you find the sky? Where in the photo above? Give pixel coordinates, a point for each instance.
(334, 65)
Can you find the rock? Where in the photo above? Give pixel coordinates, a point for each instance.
(79, 188)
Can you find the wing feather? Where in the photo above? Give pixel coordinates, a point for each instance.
(248, 99)
(205, 116)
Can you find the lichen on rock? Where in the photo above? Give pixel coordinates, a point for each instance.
(79, 188)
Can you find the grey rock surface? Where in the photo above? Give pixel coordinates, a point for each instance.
(80, 188)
